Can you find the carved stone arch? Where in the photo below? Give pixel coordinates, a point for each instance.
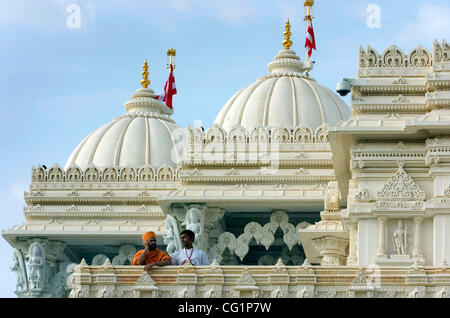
(303, 135)
(393, 57)
(281, 135)
(128, 174)
(321, 134)
(362, 57)
(146, 174)
(110, 174)
(419, 57)
(91, 174)
(99, 260)
(259, 135)
(437, 52)
(445, 51)
(55, 174)
(373, 58)
(198, 135)
(39, 174)
(74, 174)
(238, 135)
(215, 134)
(165, 174)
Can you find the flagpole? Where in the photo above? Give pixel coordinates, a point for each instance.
(308, 5)
(171, 53)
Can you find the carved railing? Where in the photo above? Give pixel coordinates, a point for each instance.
(285, 135)
(259, 281)
(75, 174)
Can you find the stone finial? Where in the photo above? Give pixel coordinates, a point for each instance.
(306, 263)
(279, 263)
(215, 263)
(107, 263)
(83, 263)
(444, 263)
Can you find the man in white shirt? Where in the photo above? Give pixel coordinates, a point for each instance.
(194, 255)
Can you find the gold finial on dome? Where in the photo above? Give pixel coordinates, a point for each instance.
(287, 43)
(145, 81)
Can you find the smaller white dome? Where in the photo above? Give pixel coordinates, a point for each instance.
(141, 137)
(283, 98)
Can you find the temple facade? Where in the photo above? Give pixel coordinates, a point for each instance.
(291, 193)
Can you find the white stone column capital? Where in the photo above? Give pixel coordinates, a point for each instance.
(418, 219)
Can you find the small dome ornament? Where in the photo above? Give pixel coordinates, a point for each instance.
(287, 43)
(145, 81)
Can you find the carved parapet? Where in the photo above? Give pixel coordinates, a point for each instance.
(93, 174)
(145, 287)
(245, 286)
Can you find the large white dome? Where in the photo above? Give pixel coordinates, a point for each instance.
(285, 97)
(141, 137)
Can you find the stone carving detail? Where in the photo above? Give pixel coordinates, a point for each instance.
(420, 57)
(263, 235)
(232, 172)
(321, 134)
(393, 57)
(60, 284)
(128, 174)
(400, 238)
(259, 135)
(400, 99)
(215, 134)
(281, 135)
(91, 174)
(110, 175)
(99, 260)
(145, 280)
(194, 221)
(172, 238)
(441, 53)
(165, 173)
(303, 135)
(401, 187)
(364, 196)
(36, 263)
(146, 174)
(55, 174)
(74, 174)
(125, 256)
(238, 135)
(38, 174)
(21, 272)
(447, 191)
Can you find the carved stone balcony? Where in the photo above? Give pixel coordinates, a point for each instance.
(217, 281)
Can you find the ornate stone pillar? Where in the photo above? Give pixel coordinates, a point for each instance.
(332, 250)
(352, 254)
(381, 251)
(418, 251)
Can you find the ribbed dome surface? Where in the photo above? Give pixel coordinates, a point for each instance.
(283, 98)
(143, 136)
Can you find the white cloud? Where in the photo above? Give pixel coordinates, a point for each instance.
(432, 22)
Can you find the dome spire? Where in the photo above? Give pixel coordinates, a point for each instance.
(287, 43)
(145, 81)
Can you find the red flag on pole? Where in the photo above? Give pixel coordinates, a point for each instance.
(169, 90)
(310, 42)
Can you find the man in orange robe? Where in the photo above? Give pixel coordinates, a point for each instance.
(150, 256)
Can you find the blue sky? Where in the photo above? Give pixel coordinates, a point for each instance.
(58, 84)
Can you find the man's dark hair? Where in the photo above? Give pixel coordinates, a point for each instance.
(189, 233)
